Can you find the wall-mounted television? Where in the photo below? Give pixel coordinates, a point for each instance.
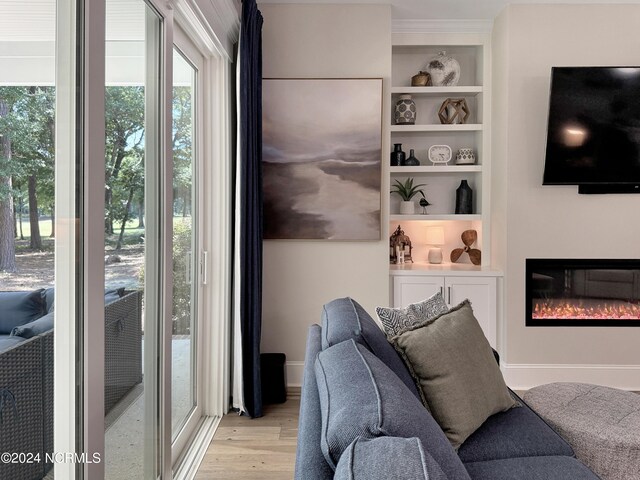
(593, 135)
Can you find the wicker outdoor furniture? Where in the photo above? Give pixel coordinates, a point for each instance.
(26, 384)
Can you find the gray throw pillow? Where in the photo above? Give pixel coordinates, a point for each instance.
(456, 372)
(397, 320)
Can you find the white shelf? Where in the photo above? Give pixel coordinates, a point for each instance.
(438, 91)
(423, 268)
(465, 127)
(437, 169)
(429, 217)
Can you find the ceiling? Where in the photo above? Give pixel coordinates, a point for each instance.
(449, 9)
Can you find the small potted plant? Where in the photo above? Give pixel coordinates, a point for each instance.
(407, 191)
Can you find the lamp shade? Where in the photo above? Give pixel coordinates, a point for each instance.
(435, 236)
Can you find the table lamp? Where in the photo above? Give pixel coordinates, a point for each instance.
(435, 237)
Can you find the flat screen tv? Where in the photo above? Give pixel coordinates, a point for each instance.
(593, 136)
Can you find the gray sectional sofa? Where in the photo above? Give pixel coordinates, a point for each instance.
(361, 418)
(26, 369)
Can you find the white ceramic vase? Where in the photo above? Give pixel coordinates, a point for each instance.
(407, 208)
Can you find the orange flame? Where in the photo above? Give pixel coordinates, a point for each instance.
(576, 309)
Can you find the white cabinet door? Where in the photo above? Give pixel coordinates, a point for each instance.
(481, 292)
(408, 290)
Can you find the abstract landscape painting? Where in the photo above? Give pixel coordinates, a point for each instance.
(322, 158)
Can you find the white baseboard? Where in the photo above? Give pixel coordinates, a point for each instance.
(526, 376)
(295, 370)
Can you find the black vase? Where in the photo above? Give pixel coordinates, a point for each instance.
(464, 199)
(397, 156)
(412, 161)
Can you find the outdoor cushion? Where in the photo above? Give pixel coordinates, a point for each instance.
(48, 295)
(454, 367)
(531, 468)
(18, 308)
(344, 319)
(6, 342)
(361, 397)
(31, 329)
(518, 432)
(384, 458)
(396, 320)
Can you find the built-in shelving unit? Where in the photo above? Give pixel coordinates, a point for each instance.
(410, 54)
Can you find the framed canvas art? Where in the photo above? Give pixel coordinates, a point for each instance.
(322, 151)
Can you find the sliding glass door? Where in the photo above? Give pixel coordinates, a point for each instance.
(189, 260)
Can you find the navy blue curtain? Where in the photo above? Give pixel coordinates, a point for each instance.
(251, 202)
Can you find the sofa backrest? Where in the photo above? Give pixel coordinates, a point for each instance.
(310, 462)
(345, 319)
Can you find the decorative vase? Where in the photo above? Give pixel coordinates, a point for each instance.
(421, 79)
(444, 70)
(412, 161)
(464, 199)
(405, 111)
(465, 156)
(407, 208)
(397, 156)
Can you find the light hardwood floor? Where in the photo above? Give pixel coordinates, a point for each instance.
(254, 449)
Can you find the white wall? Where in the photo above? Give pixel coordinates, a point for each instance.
(530, 220)
(323, 41)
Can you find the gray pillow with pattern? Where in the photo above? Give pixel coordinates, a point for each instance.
(397, 320)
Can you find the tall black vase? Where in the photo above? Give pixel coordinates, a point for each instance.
(464, 199)
(397, 156)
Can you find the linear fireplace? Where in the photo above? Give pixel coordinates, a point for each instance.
(596, 293)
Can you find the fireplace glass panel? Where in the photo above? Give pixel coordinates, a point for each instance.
(582, 292)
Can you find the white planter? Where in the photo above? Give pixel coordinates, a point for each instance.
(407, 208)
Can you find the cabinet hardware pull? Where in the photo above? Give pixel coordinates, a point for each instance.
(449, 295)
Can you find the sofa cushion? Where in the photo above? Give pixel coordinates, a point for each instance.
(454, 367)
(310, 462)
(387, 457)
(344, 319)
(7, 341)
(18, 308)
(518, 432)
(31, 329)
(49, 297)
(361, 397)
(531, 468)
(397, 320)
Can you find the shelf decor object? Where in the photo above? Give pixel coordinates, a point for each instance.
(465, 156)
(424, 203)
(407, 191)
(444, 70)
(405, 111)
(469, 237)
(454, 110)
(400, 247)
(435, 238)
(421, 79)
(464, 199)
(397, 156)
(319, 187)
(412, 161)
(440, 154)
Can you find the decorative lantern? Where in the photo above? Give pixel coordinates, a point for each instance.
(400, 247)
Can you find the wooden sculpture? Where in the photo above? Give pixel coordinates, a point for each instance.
(469, 237)
(454, 110)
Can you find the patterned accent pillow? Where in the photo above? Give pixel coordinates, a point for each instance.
(397, 320)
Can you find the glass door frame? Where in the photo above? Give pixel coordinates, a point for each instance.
(79, 320)
(185, 47)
